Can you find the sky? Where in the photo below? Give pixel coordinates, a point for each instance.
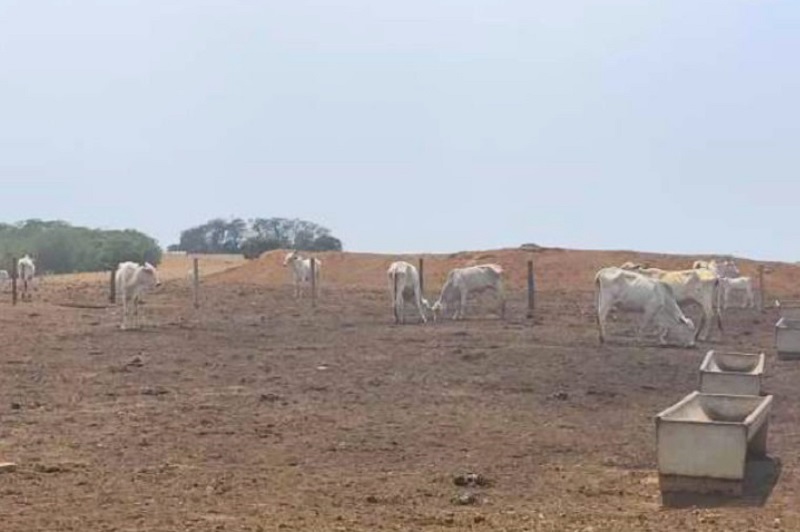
(414, 126)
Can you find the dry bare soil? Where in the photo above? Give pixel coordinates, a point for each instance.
(257, 412)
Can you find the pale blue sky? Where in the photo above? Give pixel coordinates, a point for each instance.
(421, 125)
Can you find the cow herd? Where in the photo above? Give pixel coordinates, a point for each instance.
(131, 281)
(657, 294)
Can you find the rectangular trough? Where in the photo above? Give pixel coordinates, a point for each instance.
(704, 439)
(787, 338)
(789, 309)
(731, 373)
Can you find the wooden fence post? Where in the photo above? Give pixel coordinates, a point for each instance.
(422, 276)
(196, 282)
(313, 282)
(762, 290)
(14, 274)
(112, 287)
(531, 290)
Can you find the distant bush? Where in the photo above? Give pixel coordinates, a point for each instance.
(59, 247)
(253, 237)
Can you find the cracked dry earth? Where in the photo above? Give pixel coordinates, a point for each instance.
(256, 412)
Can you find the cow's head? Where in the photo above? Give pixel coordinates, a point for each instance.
(682, 329)
(150, 275)
(730, 269)
(436, 309)
(290, 258)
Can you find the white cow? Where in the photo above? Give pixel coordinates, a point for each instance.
(629, 290)
(26, 270)
(733, 285)
(301, 271)
(725, 268)
(403, 285)
(461, 281)
(699, 286)
(4, 277)
(133, 280)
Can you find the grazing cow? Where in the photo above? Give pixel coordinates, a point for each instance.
(404, 284)
(700, 286)
(26, 270)
(629, 290)
(133, 280)
(461, 281)
(301, 271)
(732, 285)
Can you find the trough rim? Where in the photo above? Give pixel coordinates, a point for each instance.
(765, 403)
(758, 370)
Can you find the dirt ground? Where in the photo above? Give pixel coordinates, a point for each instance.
(256, 412)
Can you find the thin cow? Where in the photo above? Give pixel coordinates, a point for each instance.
(26, 270)
(461, 281)
(301, 271)
(699, 286)
(629, 290)
(404, 285)
(732, 285)
(133, 280)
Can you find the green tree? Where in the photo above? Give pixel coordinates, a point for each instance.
(256, 236)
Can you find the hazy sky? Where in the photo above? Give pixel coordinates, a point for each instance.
(421, 125)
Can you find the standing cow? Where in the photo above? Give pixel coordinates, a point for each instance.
(26, 270)
(404, 285)
(461, 281)
(132, 281)
(301, 271)
(629, 290)
(700, 286)
(730, 286)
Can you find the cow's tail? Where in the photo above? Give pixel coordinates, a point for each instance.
(718, 314)
(394, 296)
(597, 307)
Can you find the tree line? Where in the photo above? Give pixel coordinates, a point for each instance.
(253, 237)
(59, 247)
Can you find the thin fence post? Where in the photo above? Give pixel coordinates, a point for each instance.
(14, 275)
(112, 287)
(422, 276)
(762, 290)
(531, 290)
(313, 282)
(196, 282)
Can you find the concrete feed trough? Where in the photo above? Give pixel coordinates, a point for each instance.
(731, 373)
(704, 439)
(789, 309)
(787, 338)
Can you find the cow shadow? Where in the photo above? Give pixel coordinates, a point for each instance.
(761, 477)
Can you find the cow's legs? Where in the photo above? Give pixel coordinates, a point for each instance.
(708, 311)
(462, 307)
(649, 314)
(401, 307)
(603, 308)
(502, 297)
(124, 311)
(418, 298)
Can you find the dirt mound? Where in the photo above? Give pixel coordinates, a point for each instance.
(556, 269)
